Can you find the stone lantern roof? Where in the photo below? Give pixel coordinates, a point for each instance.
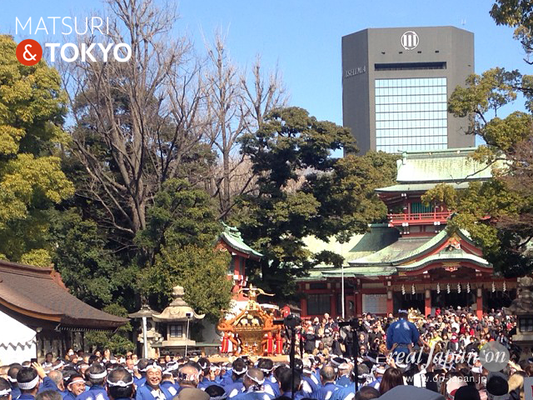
(145, 311)
(178, 310)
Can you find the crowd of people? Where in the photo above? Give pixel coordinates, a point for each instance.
(380, 357)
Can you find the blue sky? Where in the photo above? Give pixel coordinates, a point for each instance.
(304, 37)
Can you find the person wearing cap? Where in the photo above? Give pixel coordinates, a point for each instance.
(402, 335)
(120, 384)
(236, 386)
(12, 378)
(75, 386)
(497, 386)
(152, 389)
(327, 378)
(253, 382)
(97, 378)
(343, 379)
(28, 381)
(5, 389)
(266, 365)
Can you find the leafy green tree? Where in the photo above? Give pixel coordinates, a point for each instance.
(118, 341)
(32, 108)
(179, 240)
(91, 271)
(302, 190)
(202, 271)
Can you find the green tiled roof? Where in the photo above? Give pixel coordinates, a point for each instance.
(232, 237)
(378, 237)
(392, 259)
(417, 187)
(360, 272)
(443, 256)
(441, 166)
(405, 249)
(400, 250)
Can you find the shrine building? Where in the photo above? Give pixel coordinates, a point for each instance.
(230, 240)
(410, 261)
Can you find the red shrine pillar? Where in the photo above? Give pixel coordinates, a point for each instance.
(427, 302)
(359, 304)
(333, 305)
(303, 306)
(479, 303)
(390, 302)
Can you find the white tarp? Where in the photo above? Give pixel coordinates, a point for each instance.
(18, 343)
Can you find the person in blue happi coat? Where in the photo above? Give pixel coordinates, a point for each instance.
(402, 335)
(327, 377)
(12, 378)
(28, 381)
(120, 384)
(152, 389)
(97, 377)
(5, 389)
(253, 382)
(75, 386)
(266, 365)
(236, 386)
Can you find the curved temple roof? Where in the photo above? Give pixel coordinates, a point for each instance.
(39, 293)
(232, 237)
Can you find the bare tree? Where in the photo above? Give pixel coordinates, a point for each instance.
(138, 120)
(237, 105)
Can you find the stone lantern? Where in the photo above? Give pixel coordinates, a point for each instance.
(177, 317)
(149, 336)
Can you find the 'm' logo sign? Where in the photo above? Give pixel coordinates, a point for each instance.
(409, 40)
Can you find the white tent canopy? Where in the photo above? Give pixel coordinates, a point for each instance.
(17, 342)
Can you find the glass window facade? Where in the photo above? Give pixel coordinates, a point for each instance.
(411, 114)
(318, 304)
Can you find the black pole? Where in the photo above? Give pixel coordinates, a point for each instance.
(291, 322)
(292, 357)
(355, 350)
(354, 324)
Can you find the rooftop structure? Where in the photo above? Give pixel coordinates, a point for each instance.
(38, 314)
(396, 83)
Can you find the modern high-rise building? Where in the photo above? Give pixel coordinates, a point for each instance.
(396, 83)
